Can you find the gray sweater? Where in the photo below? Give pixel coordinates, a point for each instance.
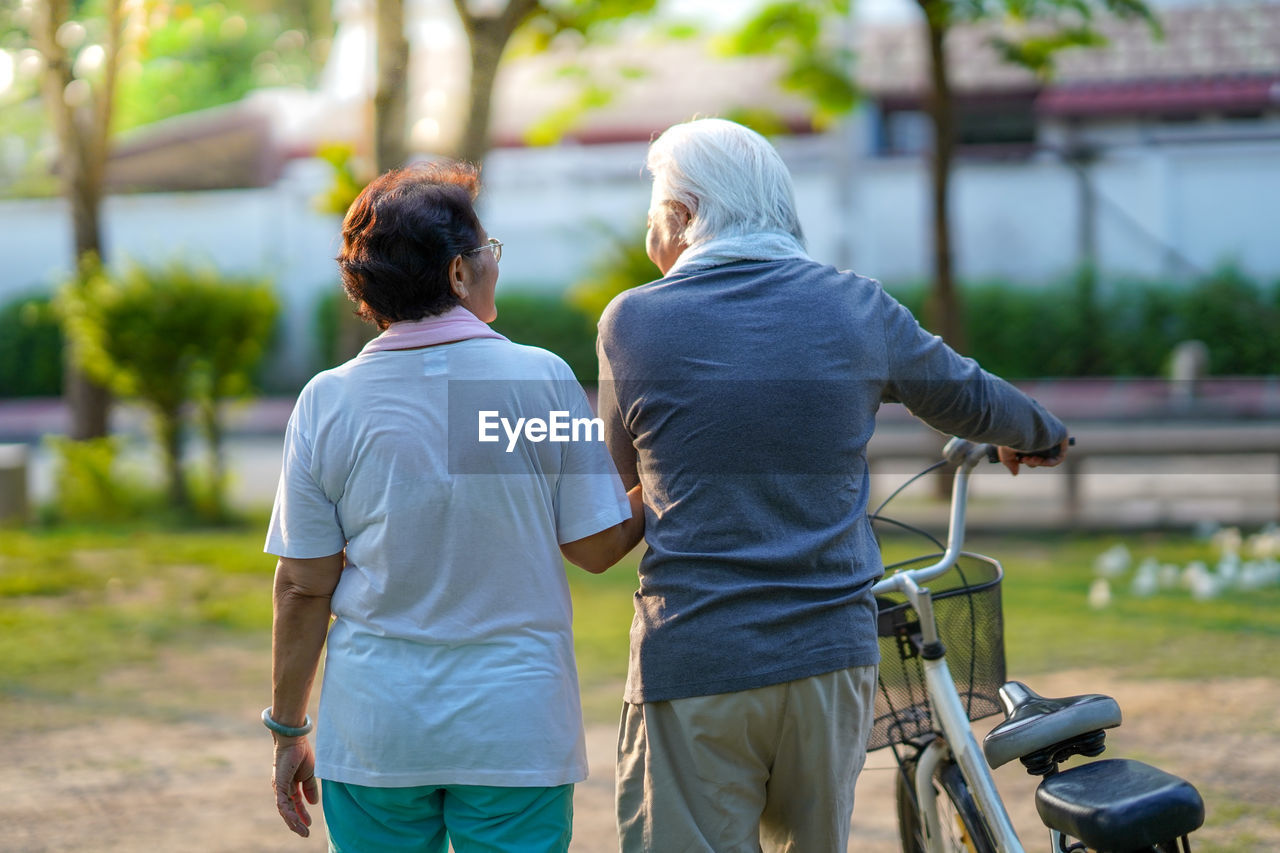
(743, 397)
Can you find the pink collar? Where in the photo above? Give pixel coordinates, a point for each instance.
(456, 324)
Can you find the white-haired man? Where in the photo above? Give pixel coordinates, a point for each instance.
(740, 391)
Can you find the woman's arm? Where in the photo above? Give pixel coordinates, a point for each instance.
(599, 551)
(300, 623)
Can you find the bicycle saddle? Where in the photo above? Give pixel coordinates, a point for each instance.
(1119, 805)
(1058, 727)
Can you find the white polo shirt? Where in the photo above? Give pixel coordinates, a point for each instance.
(450, 660)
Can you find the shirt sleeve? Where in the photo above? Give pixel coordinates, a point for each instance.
(589, 493)
(617, 437)
(304, 522)
(954, 395)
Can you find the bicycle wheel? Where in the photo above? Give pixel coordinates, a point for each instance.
(962, 830)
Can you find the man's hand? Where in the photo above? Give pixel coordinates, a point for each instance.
(293, 778)
(1013, 459)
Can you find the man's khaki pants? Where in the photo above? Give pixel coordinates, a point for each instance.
(766, 769)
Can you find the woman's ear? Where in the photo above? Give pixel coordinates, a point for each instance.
(458, 277)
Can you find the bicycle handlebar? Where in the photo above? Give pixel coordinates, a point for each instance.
(993, 453)
(965, 455)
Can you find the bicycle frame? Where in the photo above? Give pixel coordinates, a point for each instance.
(1166, 808)
(949, 714)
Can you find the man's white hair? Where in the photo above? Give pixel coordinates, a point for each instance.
(731, 179)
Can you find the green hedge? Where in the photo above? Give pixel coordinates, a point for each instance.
(1119, 328)
(527, 317)
(1072, 328)
(30, 348)
(546, 320)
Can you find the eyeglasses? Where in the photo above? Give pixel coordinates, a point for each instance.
(494, 245)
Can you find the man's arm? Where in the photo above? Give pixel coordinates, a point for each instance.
(599, 551)
(616, 437)
(955, 396)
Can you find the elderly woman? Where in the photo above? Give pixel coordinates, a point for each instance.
(450, 709)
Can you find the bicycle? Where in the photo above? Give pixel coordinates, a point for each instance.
(945, 793)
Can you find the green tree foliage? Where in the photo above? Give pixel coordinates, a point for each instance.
(811, 37)
(346, 182)
(173, 58)
(622, 265)
(199, 55)
(90, 487)
(1035, 32)
(168, 337)
(539, 22)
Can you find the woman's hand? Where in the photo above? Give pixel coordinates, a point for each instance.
(294, 777)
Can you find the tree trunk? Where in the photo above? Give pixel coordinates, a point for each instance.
(211, 426)
(486, 51)
(81, 129)
(943, 312)
(169, 425)
(942, 307)
(391, 99)
(488, 36)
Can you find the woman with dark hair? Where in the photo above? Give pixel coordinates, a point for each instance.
(450, 709)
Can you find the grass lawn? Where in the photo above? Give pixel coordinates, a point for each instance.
(170, 627)
(77, 602)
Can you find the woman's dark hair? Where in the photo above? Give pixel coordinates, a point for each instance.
(401, 234)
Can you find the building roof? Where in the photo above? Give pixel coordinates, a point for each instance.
(1223, 57)
(1236, 41)
(1238, 94)
(651, 85)
(226, 146)
(1220, 57)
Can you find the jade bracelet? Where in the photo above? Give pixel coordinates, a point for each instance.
(287, 731)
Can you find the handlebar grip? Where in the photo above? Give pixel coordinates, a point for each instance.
(993, 453)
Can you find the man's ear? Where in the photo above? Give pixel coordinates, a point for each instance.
(458, 274)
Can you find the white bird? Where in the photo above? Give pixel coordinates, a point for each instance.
(1146, 581)
(1264, 545)
(1228, 568)
(1112, 562)
(1228, 541)
(1205, 586)
(1169, 575)
(1099, 594)
(1253, 575)
(1194, 574)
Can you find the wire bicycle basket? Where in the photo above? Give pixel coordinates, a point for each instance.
(967, 606)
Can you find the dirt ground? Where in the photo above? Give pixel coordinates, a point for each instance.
(171, 757)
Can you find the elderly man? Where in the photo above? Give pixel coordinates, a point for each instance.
(739, 391)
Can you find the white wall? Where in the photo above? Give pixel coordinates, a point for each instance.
(1166, 209)
(274, 232)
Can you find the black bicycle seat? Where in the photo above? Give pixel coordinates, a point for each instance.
(1119, 805)
(1034, 723)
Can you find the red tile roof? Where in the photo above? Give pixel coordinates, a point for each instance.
(1235, 94)
(1228, 51)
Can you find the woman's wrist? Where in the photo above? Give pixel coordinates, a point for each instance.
(284, 730)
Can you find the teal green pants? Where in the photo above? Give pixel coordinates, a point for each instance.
(475, 818)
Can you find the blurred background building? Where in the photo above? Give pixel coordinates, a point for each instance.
(1144, 157)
